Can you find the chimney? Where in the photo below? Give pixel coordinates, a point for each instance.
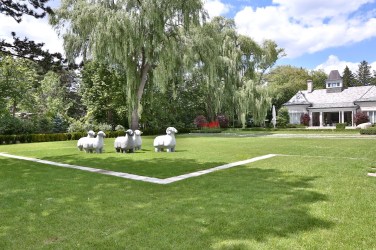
(309, 86)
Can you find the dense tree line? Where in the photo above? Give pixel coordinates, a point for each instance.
(364, 76)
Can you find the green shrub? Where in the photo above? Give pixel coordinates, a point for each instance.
(340, 126)
(368, 131)
(76, 126)
(283, 117)
(119, 128)
(295, 125)
(77, 135)
(104, 127)
(59, 124)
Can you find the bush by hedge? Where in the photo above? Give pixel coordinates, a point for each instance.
(28, 138)
(368, 131)
(341, 126)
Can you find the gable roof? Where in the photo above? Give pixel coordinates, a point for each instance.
(298, 99)
(344, 99)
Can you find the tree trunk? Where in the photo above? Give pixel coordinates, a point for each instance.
(135, 118)
(14, 106)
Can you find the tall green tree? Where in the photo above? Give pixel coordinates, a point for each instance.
(227, 62)
(103, 93)
(318, 78)
(348, 78)
(285, 81)
(49, 97)
(144, 38)
(17, 77)
(363, 75)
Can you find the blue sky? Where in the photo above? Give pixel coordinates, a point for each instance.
(316, 34)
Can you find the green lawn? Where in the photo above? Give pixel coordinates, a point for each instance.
(318, 196)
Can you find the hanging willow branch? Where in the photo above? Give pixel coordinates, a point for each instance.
(139, 36)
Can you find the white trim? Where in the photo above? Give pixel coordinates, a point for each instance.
(140, 177)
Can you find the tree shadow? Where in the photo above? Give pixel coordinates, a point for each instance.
(226, 209)
(251, 204)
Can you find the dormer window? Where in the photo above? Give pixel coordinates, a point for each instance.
(335, 84)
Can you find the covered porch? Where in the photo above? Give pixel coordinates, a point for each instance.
(330, 117)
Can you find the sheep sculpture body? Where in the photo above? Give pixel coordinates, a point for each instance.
(80, 142)
(364, 125)
(125, 143)
(94, 144)
(137, 141)
(167, 141)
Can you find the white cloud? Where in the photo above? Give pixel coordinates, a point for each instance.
(333, 62)
(308, 26)
(37, 30)
(216, 8)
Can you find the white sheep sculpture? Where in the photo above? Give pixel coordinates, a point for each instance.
(94, 144)
(364, 125)
(167, 141)
(125, 143)
(137, 141)
(80, 142)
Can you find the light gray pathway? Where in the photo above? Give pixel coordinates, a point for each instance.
(140, 177)
(271, 135)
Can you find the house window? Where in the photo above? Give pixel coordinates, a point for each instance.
(295, 117)
(372, 116)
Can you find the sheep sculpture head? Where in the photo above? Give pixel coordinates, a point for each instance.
(101, 134)
(137, 132)
(129, 132)
(91, 134)
(171, 130)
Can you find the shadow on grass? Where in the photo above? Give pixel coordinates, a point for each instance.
(248, 205)
(235, 208)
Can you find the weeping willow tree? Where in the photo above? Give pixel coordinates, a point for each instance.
(252, 96)
(144, 38)
(214, 58)
(233, 66)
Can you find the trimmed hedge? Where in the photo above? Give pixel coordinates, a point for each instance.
(29, 138)
(341, 126)
(368, 131)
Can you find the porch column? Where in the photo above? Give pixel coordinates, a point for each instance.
(352, 118)
(310, 118)
(343, 116)
(321, 119)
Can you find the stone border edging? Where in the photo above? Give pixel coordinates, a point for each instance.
(140, 177)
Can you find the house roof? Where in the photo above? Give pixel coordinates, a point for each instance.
(334, 76)
(369, 96)
(344, 99)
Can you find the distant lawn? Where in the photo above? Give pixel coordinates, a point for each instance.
(323, 131)
(317, 197)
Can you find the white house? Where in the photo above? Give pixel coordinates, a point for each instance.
(332, 105)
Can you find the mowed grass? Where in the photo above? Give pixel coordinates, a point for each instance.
(317, 197)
